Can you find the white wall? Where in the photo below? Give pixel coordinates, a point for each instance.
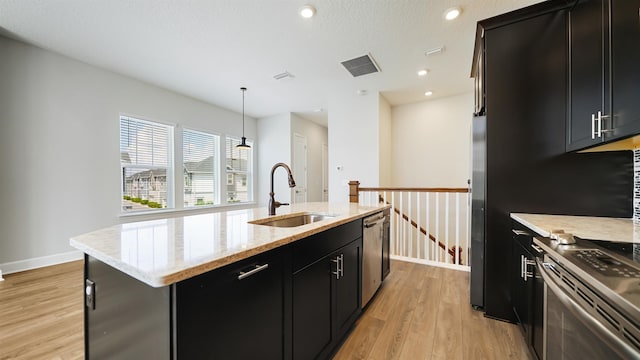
(353, 142)
(59, 146)
(384, 112)
(316, 136)
(431, 143)
(275, 143)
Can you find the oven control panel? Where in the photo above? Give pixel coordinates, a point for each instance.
(606, 265)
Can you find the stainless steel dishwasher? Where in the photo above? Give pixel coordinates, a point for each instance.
(371, 255)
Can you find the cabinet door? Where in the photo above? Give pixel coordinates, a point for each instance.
(625, 72)
(347, 287)
(312, 309)
(386, 248)
(220, 316)
(522, 284)
(587, 82)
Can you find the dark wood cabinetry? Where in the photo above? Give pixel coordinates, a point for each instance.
(293, 302)
(604, 76)
(527, 291)
(233, 313)
(326, 292)
(386, 245)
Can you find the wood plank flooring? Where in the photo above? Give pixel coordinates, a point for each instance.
(421, 312)
(41, 313)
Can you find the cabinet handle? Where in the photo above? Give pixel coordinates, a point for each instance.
(258, 268)
(537, 248)
(528, 274)
(337, 272)
(601, 128)
(522, 266)
(520, 232)
(593, 126)
(339, 261)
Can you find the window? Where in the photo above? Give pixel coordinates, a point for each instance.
(146, 165)
(239, 165)
(200, 162)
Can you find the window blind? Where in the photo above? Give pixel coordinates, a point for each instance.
(238, 166)
(200, 161)
(145, 153)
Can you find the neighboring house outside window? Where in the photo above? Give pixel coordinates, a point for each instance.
(146, 150)
(147, 167)
(200, 163)
(239, 166)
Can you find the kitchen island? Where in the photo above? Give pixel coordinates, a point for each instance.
(221, 285)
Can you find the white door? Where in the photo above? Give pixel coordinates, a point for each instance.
(300, 168)
(325, 172)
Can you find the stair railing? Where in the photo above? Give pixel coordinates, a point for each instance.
(428, 225)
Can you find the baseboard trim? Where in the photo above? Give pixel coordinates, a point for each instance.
(34, 263)
(431, 263)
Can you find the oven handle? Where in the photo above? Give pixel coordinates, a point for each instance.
(612, 340)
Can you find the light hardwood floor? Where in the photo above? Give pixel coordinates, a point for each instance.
(41, 313)
(421, 312)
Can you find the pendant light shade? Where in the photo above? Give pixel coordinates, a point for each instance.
(243, 143)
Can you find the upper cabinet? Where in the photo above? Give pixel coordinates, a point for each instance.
(604, 96)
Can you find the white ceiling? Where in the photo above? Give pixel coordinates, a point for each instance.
(208, 49)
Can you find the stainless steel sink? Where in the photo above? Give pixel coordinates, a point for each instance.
(293, 220)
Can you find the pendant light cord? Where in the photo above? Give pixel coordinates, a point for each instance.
(243, 91)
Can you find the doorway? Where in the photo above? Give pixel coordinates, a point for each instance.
(300, 168)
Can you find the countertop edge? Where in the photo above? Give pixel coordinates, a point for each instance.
(540, 231)
(161, 279)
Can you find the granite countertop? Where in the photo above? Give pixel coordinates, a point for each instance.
(586, 227)
(165, 251)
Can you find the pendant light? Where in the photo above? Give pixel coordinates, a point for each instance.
(243, 144)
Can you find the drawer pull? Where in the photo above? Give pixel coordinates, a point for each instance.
(258, 268)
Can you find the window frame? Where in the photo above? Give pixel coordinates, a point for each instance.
(169, 169)
(249, 172)
(217, 198)
(175, 174)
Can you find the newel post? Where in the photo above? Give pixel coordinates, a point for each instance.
(354, 186)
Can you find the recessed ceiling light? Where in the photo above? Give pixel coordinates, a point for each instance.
(422, 72)
(428, 93)
(452, 12)
(307, 11)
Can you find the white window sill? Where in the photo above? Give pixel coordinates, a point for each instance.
(186, 211)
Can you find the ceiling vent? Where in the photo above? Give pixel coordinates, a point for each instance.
(361, 65)
(284, 75)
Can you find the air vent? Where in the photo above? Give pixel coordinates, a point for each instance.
(361, 65)
(284, 75)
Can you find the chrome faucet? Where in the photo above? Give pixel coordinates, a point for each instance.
(273, 204)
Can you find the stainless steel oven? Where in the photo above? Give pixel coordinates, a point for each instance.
(590, 303)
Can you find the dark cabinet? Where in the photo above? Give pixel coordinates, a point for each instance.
(527, 291)
(233, 313)
(326, 301)
(296, 301)
(347, 286)
(326, 289)
(604, 77)
(386, 245)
